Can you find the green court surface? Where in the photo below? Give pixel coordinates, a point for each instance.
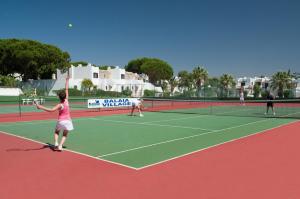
(138, 142)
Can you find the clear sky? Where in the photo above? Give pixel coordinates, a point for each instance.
(239, 37)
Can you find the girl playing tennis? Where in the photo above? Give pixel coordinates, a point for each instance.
(64, 122)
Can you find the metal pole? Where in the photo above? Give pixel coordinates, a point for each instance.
(19, 102)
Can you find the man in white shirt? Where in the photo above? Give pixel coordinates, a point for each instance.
(137, 104)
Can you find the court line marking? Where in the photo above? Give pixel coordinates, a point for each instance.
(216, 145)
(99, 119)
(118, 115)
(201, 115)
(182, 138)
(139, 168)
(95, 117)
(187, 137)
(142, 123)
(117, 121)
(149, 124)
(71, 151)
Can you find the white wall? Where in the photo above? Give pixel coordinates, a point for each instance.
(10, 92)
(117, 72)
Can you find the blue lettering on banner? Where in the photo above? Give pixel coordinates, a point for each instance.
(109, 103)
(116, 102)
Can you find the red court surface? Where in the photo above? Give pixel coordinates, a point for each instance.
(264, 165)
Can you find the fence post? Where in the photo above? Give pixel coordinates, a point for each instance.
(19, 99)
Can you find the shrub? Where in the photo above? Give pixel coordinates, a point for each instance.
(288, 94)
(149, 93)
(257, 90)
(8, 81)
(264, 94)
(127, 92)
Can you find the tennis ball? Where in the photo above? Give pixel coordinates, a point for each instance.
(70, 25)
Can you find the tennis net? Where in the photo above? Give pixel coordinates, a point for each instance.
(250, 108)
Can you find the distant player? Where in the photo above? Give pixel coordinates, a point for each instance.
(270, 103)
(137, 104)
(242, 99)
(64, 122)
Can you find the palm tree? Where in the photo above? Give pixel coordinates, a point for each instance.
(86, 84)
(164, 86)
(185, 80)
(281, 81)
(200, 75)
(213, 82)
(226, 82)
(173, 82)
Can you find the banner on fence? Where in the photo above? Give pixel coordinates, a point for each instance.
(110, 103)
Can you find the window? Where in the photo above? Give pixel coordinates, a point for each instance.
(266, 85)
(95, 75)
(122, 76)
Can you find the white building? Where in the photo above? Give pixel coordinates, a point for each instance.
(116, 79)
(249, 82)
(265, 83)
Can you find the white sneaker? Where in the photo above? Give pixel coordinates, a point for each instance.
(274, 113)
(141, 115)
(60, 148)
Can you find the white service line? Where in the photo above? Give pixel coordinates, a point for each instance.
(182, 138)
(149, 124)
(201, 115)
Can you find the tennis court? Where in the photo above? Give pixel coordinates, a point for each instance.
(165, 133)
(179, 149)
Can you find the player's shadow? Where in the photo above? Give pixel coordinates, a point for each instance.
(46, 146)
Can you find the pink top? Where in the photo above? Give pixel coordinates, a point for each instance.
(64, 112)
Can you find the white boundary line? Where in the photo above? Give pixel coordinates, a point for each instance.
(233, 140)
(182, 138)
(116, 121)
(139, 168)
(71, 151)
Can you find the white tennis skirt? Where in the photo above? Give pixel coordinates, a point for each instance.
(64, 125)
